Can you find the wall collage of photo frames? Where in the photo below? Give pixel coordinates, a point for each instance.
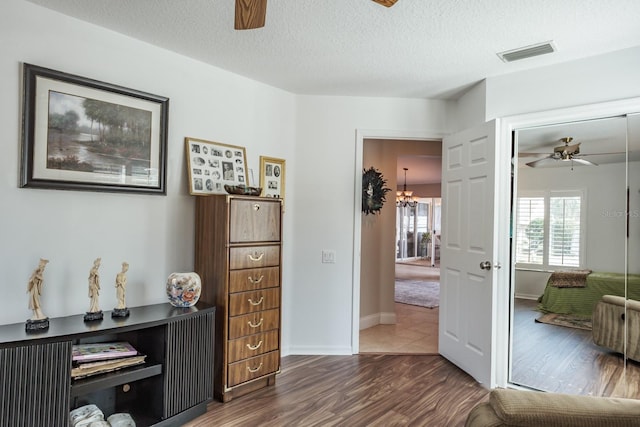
(212, 165)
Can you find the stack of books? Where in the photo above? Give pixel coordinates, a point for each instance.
(98, 358)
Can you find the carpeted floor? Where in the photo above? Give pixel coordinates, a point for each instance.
(420, 293)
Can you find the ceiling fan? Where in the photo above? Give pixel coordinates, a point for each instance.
(563, 153)
(251, 14)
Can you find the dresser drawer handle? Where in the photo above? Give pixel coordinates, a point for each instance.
(254, 347)
(255, 369)
(256, 281)
(256, 325)
(256, 303)
(256, 257)
(256, 207)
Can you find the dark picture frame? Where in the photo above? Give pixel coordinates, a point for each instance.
(212, 165)
(83, 134)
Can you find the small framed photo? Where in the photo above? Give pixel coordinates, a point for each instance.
(272, 177)
(83, 134)
(213, 164)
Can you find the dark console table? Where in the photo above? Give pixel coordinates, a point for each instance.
(171, 387)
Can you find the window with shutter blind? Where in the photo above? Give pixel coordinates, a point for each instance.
(549, 231)
(530, 230)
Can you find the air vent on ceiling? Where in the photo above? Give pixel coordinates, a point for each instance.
(527, 52)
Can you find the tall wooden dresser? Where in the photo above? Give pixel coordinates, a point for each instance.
(238, 256)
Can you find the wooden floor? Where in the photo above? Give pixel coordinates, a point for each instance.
(560, 359)
(359, 390)
(424, 390)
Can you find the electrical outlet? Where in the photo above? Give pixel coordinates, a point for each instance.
(328, 256)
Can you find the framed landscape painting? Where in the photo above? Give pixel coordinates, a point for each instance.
(212, 165)
(82, 134)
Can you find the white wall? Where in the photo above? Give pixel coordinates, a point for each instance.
(153, 233)
(321, 316)
(316, 135)
(471, 107)
(586, 81)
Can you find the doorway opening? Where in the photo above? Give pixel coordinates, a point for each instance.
(408, 293)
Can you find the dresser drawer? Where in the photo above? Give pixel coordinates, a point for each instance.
(254, 257)
(249, 302)
(252, 368)
(254, 278)
(253, 345)
(254, 221)
(253, 323)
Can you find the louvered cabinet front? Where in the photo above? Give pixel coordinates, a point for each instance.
(238, 256)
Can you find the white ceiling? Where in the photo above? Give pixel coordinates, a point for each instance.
(417, 48)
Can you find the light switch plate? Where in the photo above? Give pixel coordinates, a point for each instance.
(328, 256)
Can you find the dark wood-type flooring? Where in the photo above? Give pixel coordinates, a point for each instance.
(561, 359)
(424, 390)
(358, 390)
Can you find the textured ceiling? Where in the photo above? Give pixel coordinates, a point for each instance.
(418, 48)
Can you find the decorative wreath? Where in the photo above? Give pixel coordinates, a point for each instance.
(373, 191)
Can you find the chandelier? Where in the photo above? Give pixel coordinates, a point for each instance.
(404, 197)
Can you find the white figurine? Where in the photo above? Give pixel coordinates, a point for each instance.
(94, 286)
(35, 289)
(121, 287)
(94, 312)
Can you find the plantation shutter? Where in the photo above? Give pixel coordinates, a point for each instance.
(564, 231)
(530, 230)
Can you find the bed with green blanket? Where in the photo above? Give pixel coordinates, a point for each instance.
(580, 301)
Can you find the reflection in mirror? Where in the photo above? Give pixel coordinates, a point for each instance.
(570, 249)
(632, 307)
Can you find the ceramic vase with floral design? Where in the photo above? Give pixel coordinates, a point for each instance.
(183, 289)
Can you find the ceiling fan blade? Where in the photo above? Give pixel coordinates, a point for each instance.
(601, 154)
(521, 154)
(539, 162)
(583, 162)
(250, 14)
(387, 3)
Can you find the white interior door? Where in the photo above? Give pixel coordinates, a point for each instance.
(468, 190)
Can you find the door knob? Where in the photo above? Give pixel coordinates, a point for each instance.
(485, 265)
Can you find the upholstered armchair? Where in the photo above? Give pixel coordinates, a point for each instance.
(610, 316)
(520, 408)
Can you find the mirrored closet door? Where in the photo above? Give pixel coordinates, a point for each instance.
(573, 243)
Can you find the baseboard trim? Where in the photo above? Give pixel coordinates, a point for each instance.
(527, 296)
(377, 319)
